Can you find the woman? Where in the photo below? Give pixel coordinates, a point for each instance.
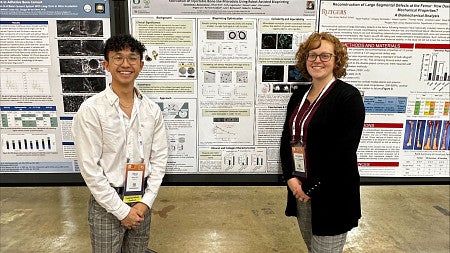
(320, 138)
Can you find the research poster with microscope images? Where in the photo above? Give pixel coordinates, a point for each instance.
(222, 72)
(229, 64)
(51, 61)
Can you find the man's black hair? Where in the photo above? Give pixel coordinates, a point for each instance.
(123, 41)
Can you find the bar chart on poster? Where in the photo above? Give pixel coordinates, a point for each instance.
(28, 143)
(435, 67)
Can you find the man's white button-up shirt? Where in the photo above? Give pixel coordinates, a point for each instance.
(101, 138)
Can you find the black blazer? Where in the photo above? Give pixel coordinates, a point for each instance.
(333, 181)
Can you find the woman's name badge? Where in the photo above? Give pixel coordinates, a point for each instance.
(134, 182)
(298, 155)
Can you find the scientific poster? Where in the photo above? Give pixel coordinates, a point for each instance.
(51, 62)
(399, 59)
(225, 70)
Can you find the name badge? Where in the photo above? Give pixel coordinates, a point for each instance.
(298, 155)
(134, 182)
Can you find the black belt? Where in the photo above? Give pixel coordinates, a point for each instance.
(119, 190)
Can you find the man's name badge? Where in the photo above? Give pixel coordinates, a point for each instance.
(134, 182)
(298, 155)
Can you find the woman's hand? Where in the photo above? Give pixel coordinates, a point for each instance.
(296, 187)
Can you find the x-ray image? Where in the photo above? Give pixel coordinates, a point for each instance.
(296, 86)
(294, 75)
(276, 41)
(83, 84)
(72, 103)
(79, 28)
(80, 47)
(269, 41)
(281, 88)
(284, 41)
(81, 67)
(272, 73)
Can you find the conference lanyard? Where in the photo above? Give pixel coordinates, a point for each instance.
(127, 130)
(307, 112)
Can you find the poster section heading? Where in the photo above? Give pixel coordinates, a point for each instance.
(54, 8)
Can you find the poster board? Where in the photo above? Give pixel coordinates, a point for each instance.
(222, 72)
(51, 62)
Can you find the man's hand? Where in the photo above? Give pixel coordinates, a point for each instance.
(296, 187)
(135, 216)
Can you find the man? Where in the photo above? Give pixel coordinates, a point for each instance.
(121, 144)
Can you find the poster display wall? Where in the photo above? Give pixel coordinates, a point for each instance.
(222, 73)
